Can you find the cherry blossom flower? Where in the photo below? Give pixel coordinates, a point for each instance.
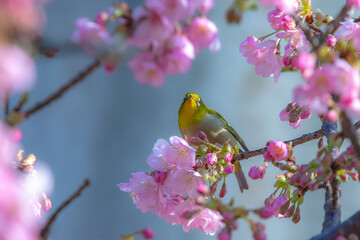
(305, 62)
(202, 32)
(146, 70)
(211, 159)
(346, 30)
(288, 6)
(266, 59)
(295, 114)
(91, 36)
(174, 10)
(353, 3)
(278, 150)
(150, 26)
(17, 70)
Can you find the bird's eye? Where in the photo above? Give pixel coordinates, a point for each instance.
(198, 102)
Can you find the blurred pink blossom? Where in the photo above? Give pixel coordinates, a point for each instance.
(146, 70)
(202, 32)
(346, 30)
(91, 36)
(17, 70)
(287, 6)
(257, 172)
(353, 3)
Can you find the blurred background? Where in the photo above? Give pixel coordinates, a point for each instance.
(104, 128)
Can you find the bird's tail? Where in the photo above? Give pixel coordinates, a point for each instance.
(240, 177)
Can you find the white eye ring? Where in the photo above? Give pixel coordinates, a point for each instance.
(198, 102)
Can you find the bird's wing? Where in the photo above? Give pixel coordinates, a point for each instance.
(229, 129)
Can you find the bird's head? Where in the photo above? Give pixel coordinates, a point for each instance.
(192, 109)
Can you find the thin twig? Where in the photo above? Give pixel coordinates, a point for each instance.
(81, 76)
(313, 27)
(45, 230)
(348, 227)
(333, 26)
(305, 28)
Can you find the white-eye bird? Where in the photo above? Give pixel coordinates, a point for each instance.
(194, 117)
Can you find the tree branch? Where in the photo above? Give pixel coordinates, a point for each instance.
(78, 78)
(349, 132)
(348, 227)
(45, 230)
(332, 205)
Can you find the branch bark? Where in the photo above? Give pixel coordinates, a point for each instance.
(45, 230)
(347, 228)
(56, 95)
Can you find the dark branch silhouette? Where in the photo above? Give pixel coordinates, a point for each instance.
(45, 230)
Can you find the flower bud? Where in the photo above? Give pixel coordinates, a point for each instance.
(331, 41)
(227, 157)
(291, 211)
(265, 212)
(203, 136)
(211, 159)
(147, 233)
(229, 169)
(284, 208)
(257, 172)
(160, 176)
(195, 141)
(223, 190)
(296, 217)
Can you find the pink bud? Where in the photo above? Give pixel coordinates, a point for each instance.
(17, 134)
(227, 157)
(296, 217)
(224, 235)
(223, 191)
(265, 212)
(268, 157)
(229, 168)
(46, 204)
(147, 233)
(211, 159)
(159, 176)
(227, 216)
(331, 41)
(332, 115)
(102, 17)
(354, 176)
(203, 189)
(257, 172)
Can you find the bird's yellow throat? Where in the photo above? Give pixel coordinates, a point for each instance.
(190, 112)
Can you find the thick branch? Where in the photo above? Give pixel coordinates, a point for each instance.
(45, 230)
(332, 205)
(81, 76)
(350, 226)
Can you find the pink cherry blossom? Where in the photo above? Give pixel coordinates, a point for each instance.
(180, 153)
(356, 39)
(266, 59)
(248, 46)
(346, 30)
(183, 181)
(178, 55)
(296, 39)
(205, 6)
(91, 36)
(257, 172)
(258, 230)
(26, 15)
(202, 32)
(353, 3)
(174, 10)
(18, 220)
(17, 70)
(279, 20)
(288, 6)
(278, 149)
(144, 191)
(150, 26)
(206, 220)
(146, 70)
(295, 114)
(227, 157)
(305, 62)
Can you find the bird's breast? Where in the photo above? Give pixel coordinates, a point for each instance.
(213, 128)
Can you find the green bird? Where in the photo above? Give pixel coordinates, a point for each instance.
(194, 117)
